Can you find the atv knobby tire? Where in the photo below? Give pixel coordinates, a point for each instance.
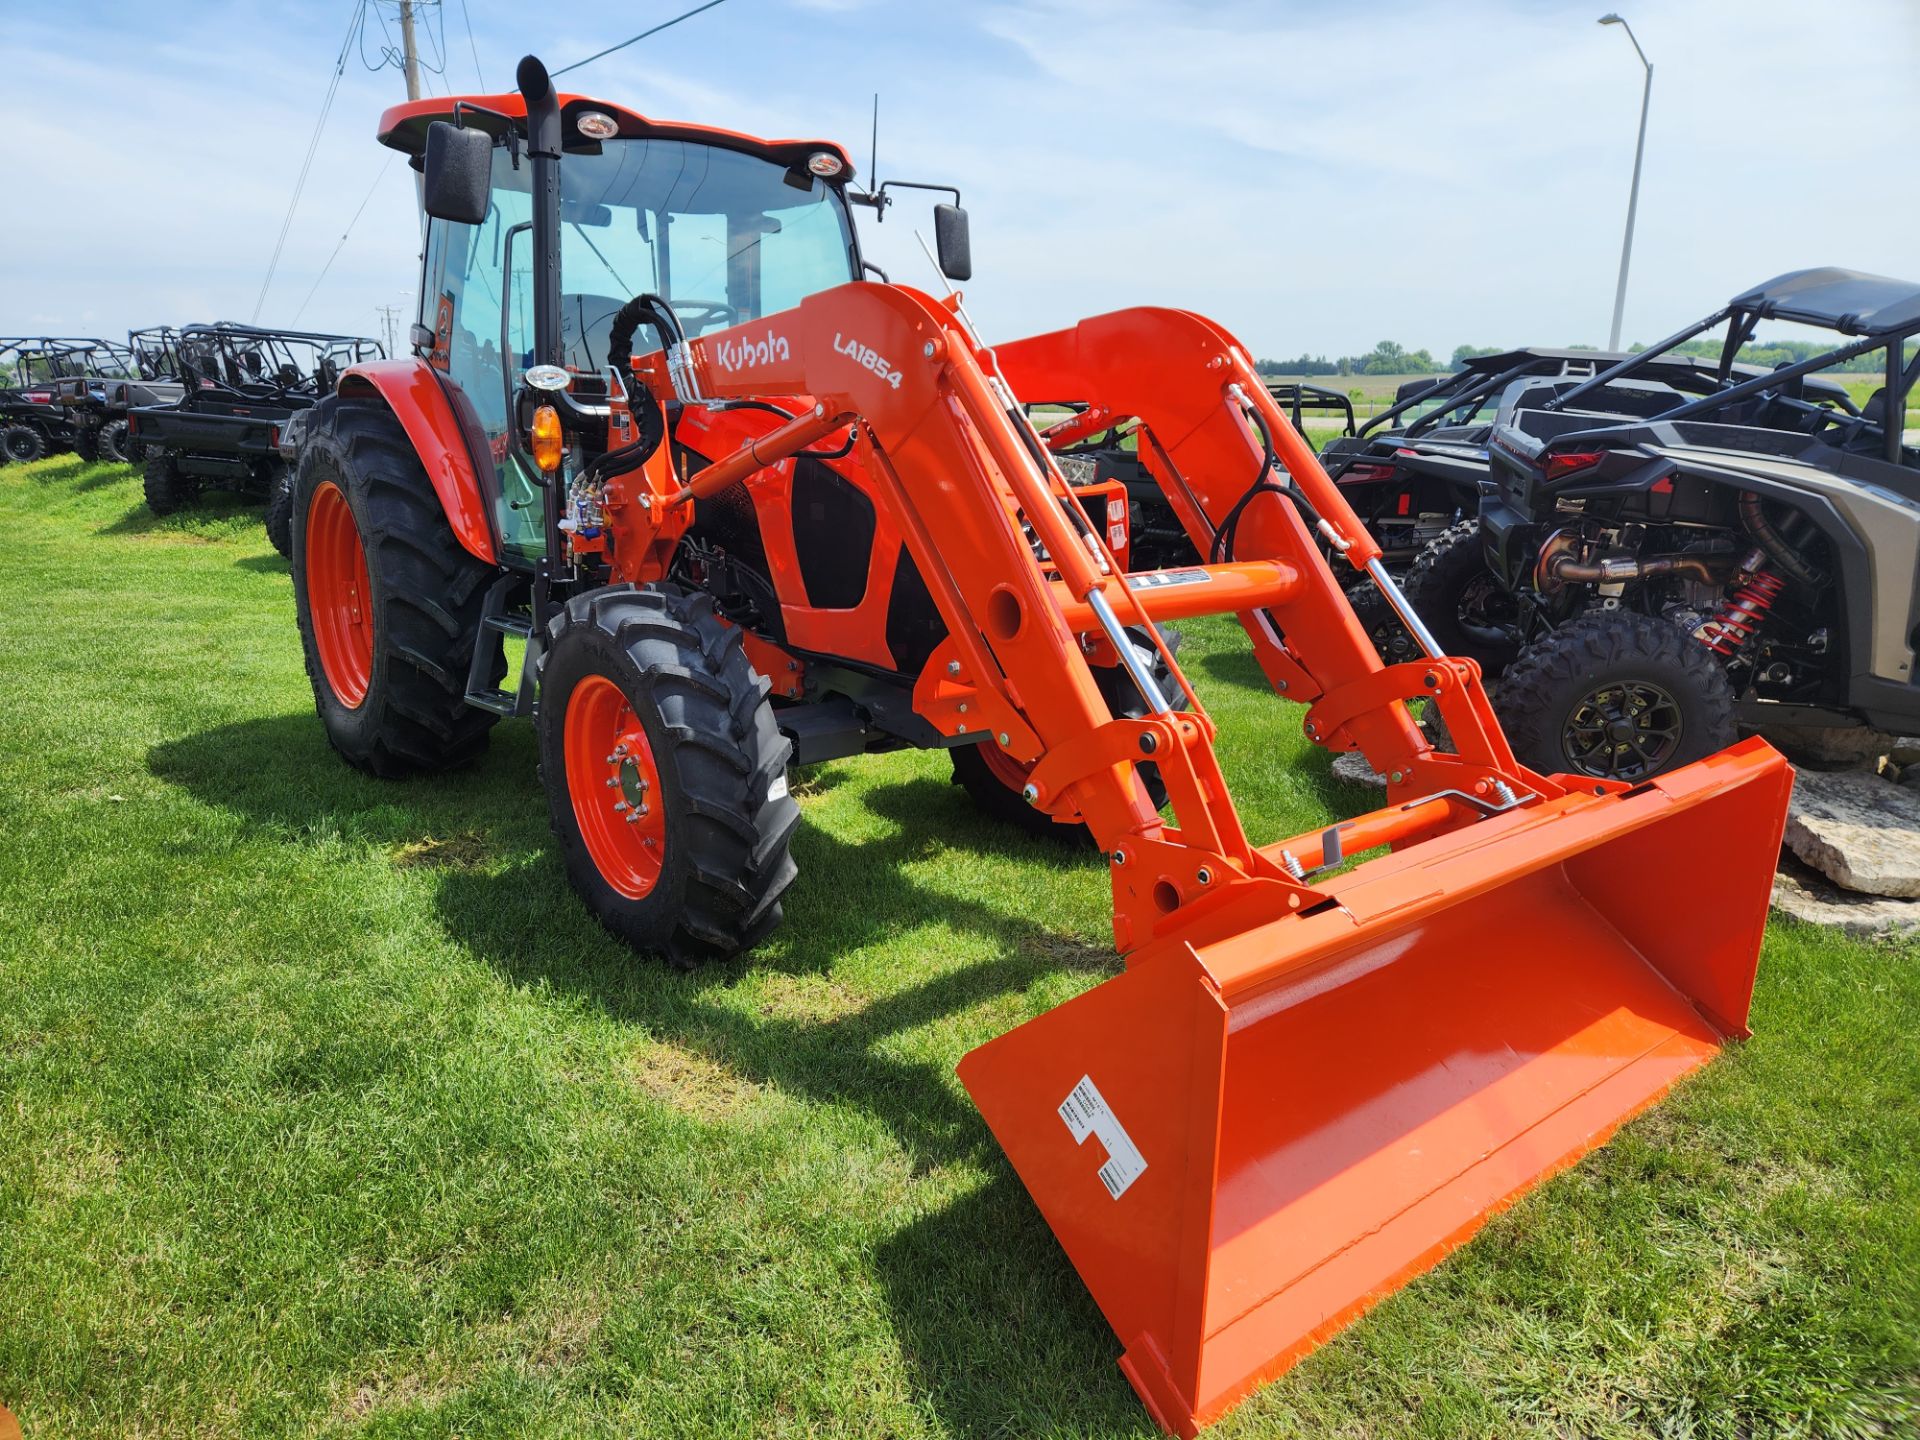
(279, 517)
(1662, 692)
(1469, 612)
(425, 598)
(86, 444)
(166, 489)
(718, 820)
(23, 443)
(113, 442)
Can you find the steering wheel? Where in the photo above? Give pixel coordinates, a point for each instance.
(707, 311)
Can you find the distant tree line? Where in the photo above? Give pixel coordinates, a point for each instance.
(1391, 358)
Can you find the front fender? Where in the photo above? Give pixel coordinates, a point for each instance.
(423, 402)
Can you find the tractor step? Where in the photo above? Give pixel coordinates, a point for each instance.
(497, 619)
(827, 731)
(512, 622)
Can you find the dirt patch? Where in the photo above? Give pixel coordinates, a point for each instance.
(690, 1082)
(807, 997)
(469, 851)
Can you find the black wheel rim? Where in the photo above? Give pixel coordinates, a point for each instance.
(1623, 730)
(20, 447)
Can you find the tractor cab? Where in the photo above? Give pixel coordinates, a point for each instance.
(724, 227)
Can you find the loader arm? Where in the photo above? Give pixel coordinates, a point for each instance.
(943, 440)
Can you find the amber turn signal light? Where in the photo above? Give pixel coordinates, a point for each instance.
(548, 441)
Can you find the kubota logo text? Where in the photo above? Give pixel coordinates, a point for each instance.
(735, 354)
(867, 358)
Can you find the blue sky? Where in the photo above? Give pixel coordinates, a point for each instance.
(1315, 177)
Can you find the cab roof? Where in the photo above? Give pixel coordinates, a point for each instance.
(404, 128)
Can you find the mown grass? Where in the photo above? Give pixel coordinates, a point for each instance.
(326, 1111)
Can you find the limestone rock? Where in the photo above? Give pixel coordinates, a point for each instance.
(1861, 831)
(1351, 766)
(1804, 893)
(1831, 747)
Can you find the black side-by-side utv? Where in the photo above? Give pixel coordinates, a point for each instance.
(240, 386)
(1736, 560)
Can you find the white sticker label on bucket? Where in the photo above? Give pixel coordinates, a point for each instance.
(1086, 1113)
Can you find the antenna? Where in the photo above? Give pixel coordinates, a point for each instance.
(873, 152)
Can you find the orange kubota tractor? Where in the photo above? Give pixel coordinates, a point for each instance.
(750, 510)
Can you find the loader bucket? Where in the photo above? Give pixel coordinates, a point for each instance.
(1245, 1140)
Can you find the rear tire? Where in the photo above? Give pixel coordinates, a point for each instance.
(648, 704)
(994, 780)
(279, 518)
(388, 663)
(166, 489)
(1615, 679)
(23, 443)
(113, 441)
(86, 444)
(1469, 612)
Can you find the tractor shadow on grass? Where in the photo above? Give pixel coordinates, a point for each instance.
(990, 1317)
(500, 892)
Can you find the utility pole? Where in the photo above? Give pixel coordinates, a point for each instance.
(412, 56)
(1633, 195)
(387, 314)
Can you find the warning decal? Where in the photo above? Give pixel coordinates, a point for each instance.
(1161, 579)
(1086, 1113)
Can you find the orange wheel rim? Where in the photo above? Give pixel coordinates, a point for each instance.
(339, 595)
(615, 787)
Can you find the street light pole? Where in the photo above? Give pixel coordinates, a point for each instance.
(1633, 196)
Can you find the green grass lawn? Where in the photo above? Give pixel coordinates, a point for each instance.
(325, 1110)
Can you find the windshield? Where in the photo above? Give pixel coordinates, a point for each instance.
(725, 236)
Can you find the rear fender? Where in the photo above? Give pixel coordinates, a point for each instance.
(425, 405)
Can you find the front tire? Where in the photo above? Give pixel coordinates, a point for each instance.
(23, 443)
(666, 776)
(166, 489)
(388, 602)
(1615, 695)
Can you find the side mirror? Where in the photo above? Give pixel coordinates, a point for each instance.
(458, 173)
(951, 241)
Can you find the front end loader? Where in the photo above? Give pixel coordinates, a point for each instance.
(749, 509)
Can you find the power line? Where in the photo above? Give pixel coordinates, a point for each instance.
(641, 36)
(343, 239)
(467, 20)
(313, 144)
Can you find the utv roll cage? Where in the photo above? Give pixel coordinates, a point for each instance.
(1880, 310)
(31, 360)
(265, 363)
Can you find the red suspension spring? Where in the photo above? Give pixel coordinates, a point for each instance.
(1740, 614)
